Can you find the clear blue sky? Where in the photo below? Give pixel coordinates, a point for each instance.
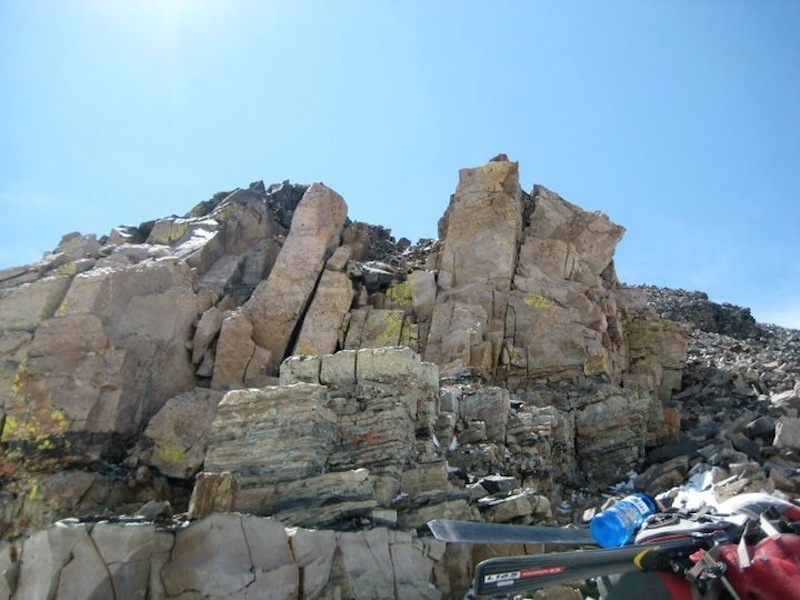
(680, 119)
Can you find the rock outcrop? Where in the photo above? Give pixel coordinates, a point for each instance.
(264, 363)
(224, 556)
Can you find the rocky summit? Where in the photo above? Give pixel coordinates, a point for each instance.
(265, 399)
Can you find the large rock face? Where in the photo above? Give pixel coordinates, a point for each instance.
(110, 355)
(280, 301)
(312, 370)
(229, 556)
(476, 264)
(526, 285)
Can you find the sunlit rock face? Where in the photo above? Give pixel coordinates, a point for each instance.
(265, 355)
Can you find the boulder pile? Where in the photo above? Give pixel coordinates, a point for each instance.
(739, 401)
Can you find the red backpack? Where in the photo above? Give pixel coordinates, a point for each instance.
(764, 564)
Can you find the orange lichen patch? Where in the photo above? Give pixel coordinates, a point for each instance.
(357, 441)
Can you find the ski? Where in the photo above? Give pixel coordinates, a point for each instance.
(529, 573)
(500, 533)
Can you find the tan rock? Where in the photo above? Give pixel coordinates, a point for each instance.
(226, 555)
(17, 275)
(213, 492)
(379, 328)
(551, 340)
(239, 362)
(367, 564)
(321, 330)
(196, 241)
(125, 235)
(73, 357)
(41, 499)
(340, 258)
(24, 307)
(423, 293)
(313, 551)
(258, 371)
(178, 432)
(9, 570)
(413, 570)
(208, 327)
(112, 355)
(223, 273)
(592, 234)
(127, 554)
(505, 510)
(85, 575)
(656, 355)
(277, 304)
(131, 254)
(484, 224)
(453, 574)
(276, 573)
(49, 552)
(233, 243)
(476, 263)
(657, 350)
(456, 333)
(14, 346)
(787, 433)
(230, 555)
(76, 246)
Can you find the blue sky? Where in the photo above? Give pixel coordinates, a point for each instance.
(680, 119)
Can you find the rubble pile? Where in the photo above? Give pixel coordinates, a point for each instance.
(738, 403)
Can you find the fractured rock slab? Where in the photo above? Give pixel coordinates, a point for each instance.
(321, 331)
(226, 554)
(279, 302)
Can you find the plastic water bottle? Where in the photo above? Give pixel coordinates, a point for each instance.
(617, 525)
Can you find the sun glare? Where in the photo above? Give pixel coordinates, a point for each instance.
(163, 20)
(159, 35)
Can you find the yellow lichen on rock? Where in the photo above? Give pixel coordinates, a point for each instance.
(37, 429)
(172, 454)
(391, 333)
(400, 294)
(410, 335)
(595, 365)
(70, 269)
(18, 383)
(538, 301)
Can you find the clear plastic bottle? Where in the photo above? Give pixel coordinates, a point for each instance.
(618, 524)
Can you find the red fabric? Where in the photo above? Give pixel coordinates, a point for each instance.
(773, 573)
(792, 513)
(677, 586)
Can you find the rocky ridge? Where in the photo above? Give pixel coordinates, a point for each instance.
(268, 356)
